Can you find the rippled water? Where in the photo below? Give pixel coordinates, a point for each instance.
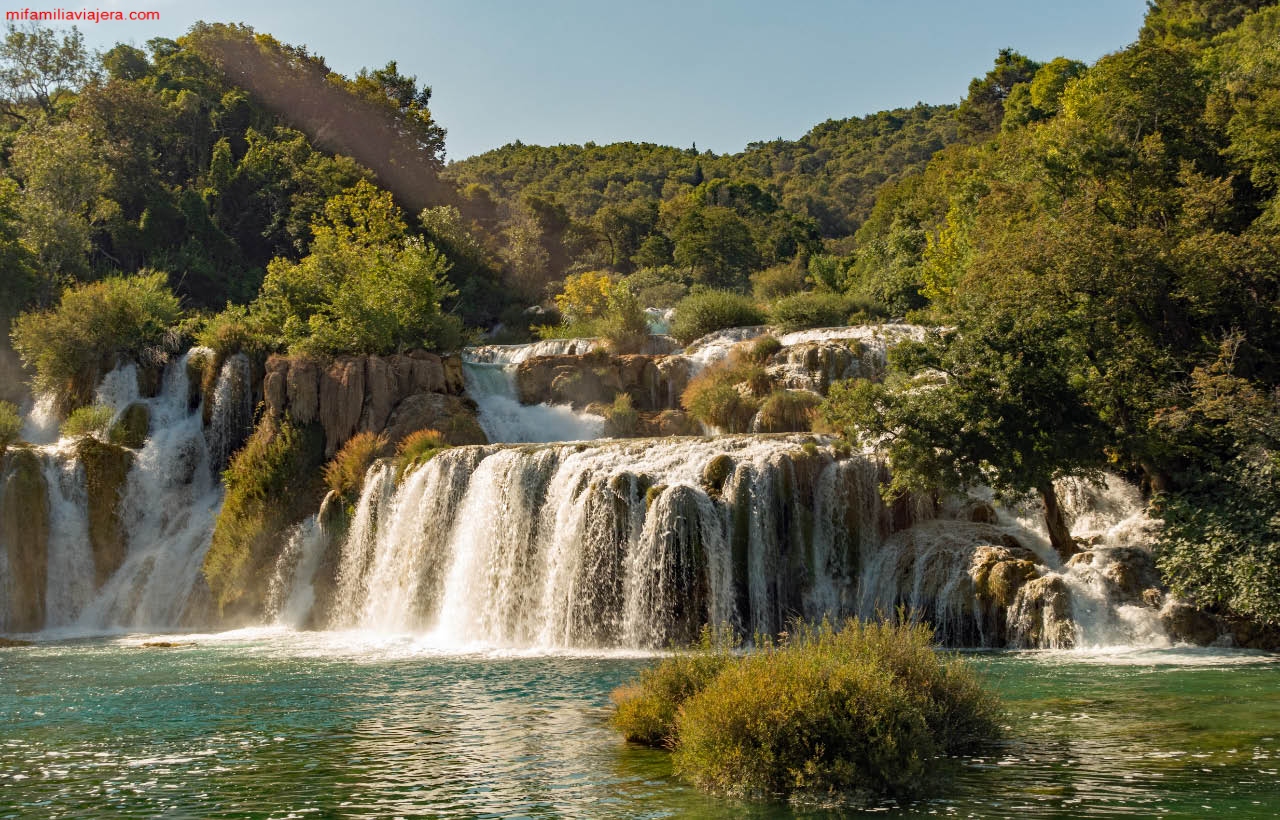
(274, 724)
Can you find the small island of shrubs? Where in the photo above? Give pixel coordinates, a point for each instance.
(857, 712)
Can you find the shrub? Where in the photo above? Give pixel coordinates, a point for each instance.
(235, 330)
(788, 411)
(657, 287)
(344, 475)
(418, 448)
(92, 420)
(92, 324)
(776, 282)
(763, 349)
(862, 711)
(624, 326)
(10, 425)
(727, 395)
(621, 418)
(813, 309)
(646, 709)
(710, 310)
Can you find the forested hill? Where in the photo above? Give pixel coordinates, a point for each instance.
(830, 174)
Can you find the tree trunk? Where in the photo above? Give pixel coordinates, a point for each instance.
(1059, 533)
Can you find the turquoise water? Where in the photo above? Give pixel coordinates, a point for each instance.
(268, 724)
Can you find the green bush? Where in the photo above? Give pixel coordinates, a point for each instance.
(10, 425)
(763, 349)
(710, 310)
(862, 711)
(621, 418)
(418, 448)
(236, 330)
(788, 411)
(657, 287)
(727, 396)
(344, 474)
(802, 311)
(92, 420)
(69, 345)
(646, 709)
(624, 326)
(777, 281)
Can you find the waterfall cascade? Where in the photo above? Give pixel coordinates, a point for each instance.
(161, 512)
(541, 540)
(490, 376)
(638, 543)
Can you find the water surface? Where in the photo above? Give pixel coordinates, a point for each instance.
(266, 723)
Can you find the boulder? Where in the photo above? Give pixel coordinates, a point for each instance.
(999, 572)
(1187, 624)
(427, 373)
(453, 416)
(341, 401)
(1040, 616)
(303, 389)
(1128, 571)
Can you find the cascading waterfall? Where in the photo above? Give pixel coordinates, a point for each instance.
(490, 379)
(611, 544)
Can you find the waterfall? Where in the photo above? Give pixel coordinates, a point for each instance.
(291, 591)
(170, 500)
(616, 543)
(490, 377)
(231, 419)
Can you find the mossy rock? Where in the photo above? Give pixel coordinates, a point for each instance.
(131, 429)
(717, 472)
(106, 470)
(9, 643)
(651, 494)
(24, 530)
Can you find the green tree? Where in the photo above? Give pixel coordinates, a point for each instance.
(37, 67)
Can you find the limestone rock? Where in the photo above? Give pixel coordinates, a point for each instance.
(341, 401)
(428, 373)
(453, 416)
(275, 385)
(380, 388)
(24, 531)
(454, 381)
(1188, 624)
(106, 469)
(1041, 615)
(303, 389)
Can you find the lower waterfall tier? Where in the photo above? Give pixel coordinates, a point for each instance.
(639, 543)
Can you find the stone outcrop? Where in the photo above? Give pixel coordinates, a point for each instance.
(653, 382)
(24, 531)
(131, 429)
(353, 394)
(106, 470)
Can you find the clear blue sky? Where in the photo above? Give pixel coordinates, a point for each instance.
(720, 74)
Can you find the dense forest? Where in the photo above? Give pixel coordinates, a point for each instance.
(1101, 244)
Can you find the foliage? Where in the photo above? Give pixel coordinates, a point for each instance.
(270, 483)
(788, 411)
(763, 348)
(585, 297)
(621, 418)
(710, 310)
(624, 326)
(801, 311)
(861, 711)
(90, 420)
(777, 282)
(92, 324)
(418, 448)
(10, 425)
(236, 330)
(657, 287)
(365, 287)
(727, 395)
(344, 474)
(38, 66)
(646, 709)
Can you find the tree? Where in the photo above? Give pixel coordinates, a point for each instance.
(983, 110)
(37, 67)
(365, 287)
(992, 403)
